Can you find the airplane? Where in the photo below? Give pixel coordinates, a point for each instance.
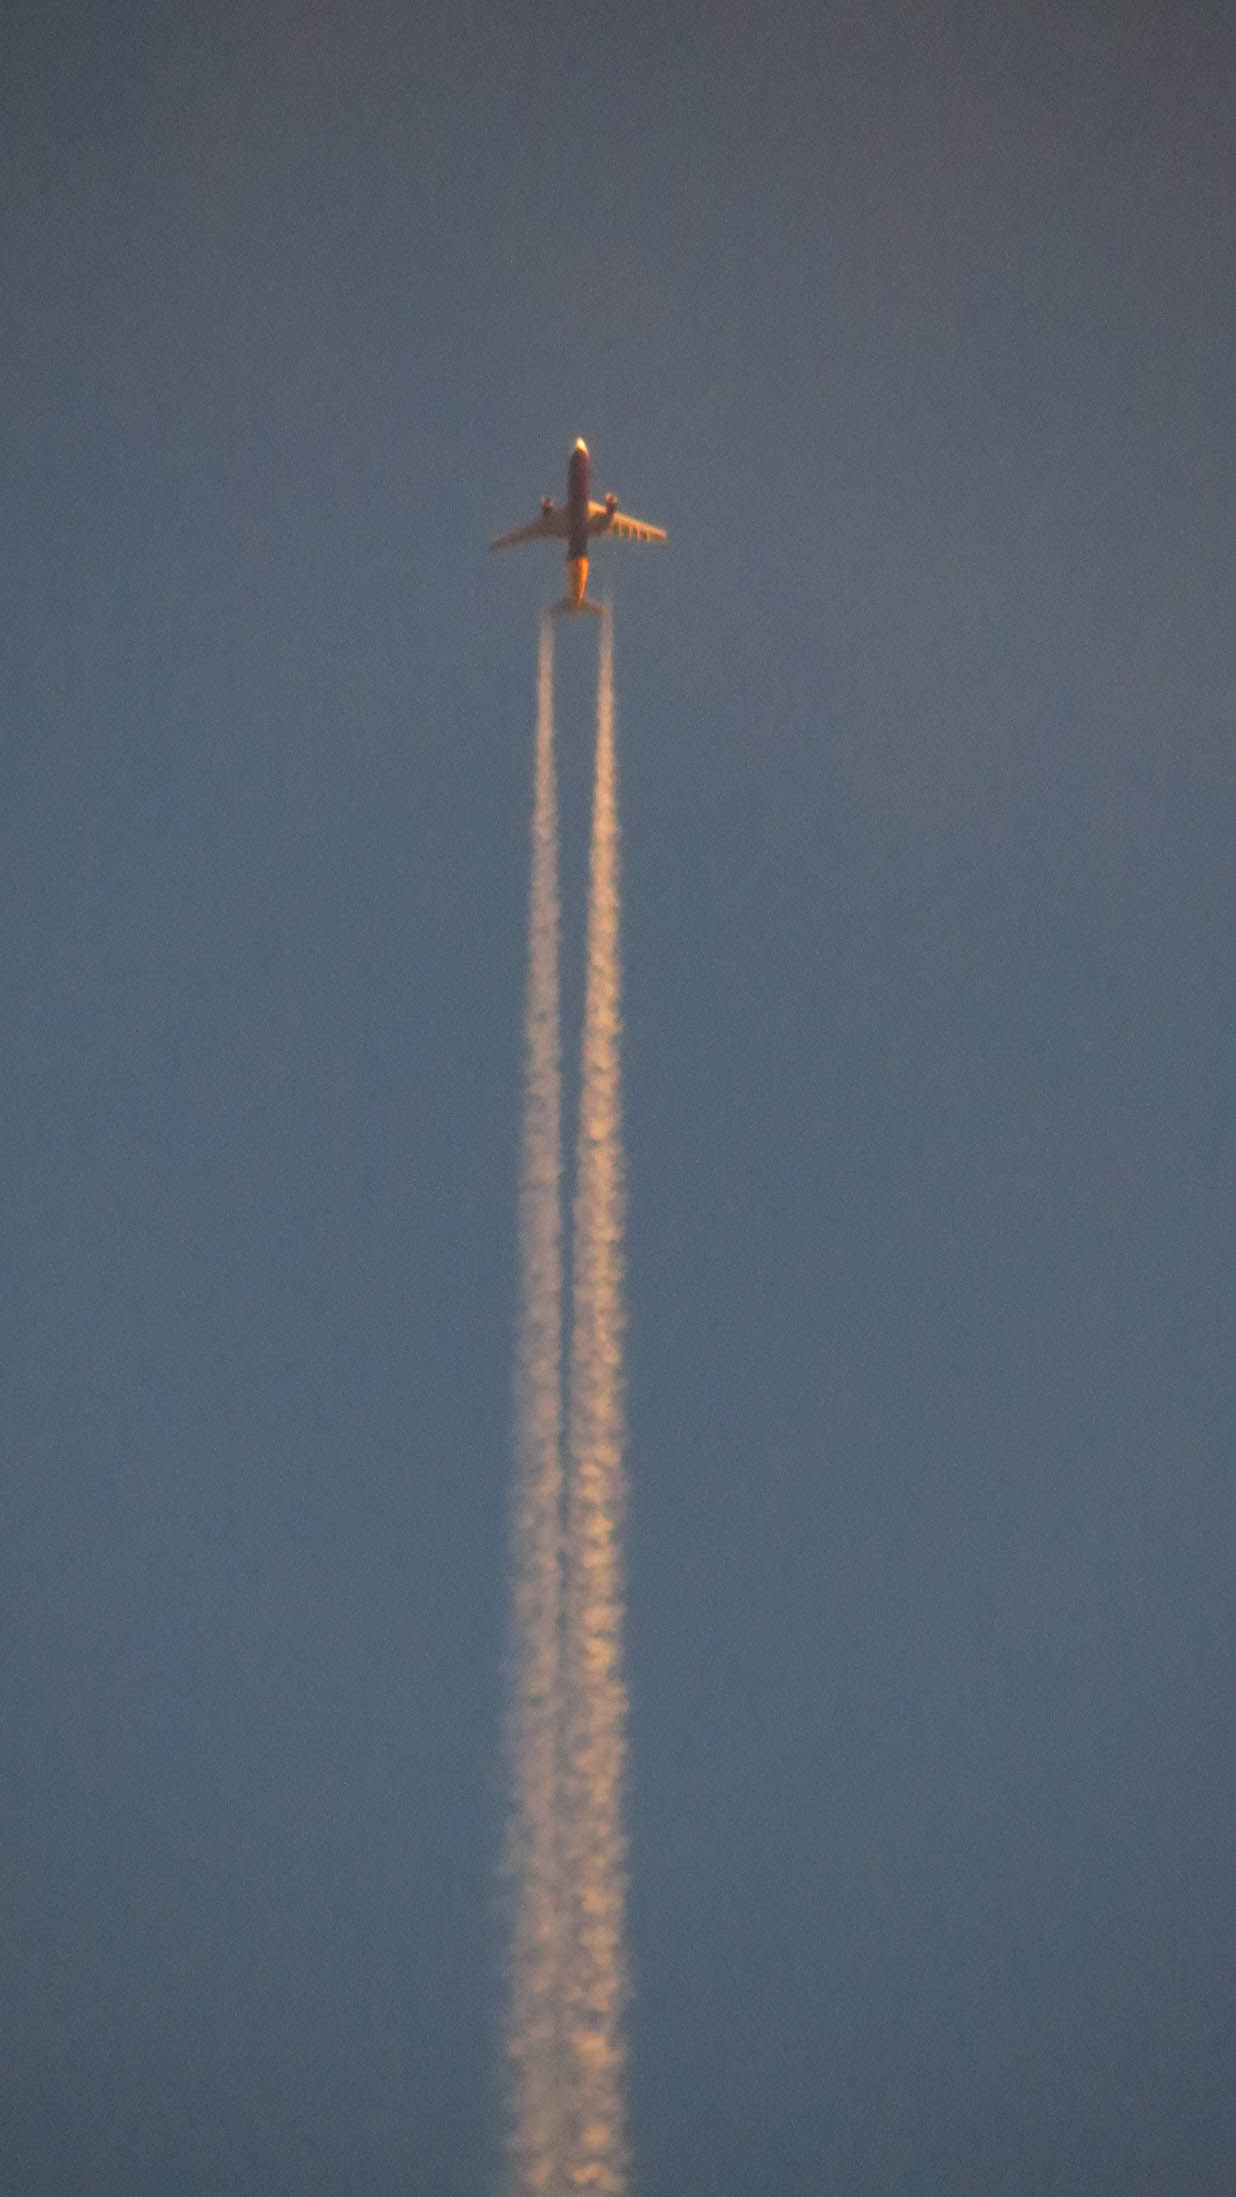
(577, 522)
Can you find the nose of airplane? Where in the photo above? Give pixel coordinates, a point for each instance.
(580, 444)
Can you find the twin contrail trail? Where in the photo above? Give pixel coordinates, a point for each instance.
(568, 1714)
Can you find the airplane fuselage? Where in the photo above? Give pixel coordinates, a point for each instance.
(577, 527)
(577, 503)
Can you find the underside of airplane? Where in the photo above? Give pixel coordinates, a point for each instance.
(578, 522)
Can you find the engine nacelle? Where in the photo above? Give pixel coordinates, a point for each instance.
(547, 507)
(611, 505)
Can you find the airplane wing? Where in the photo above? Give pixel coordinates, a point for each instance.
(601, 520)
(553, 526)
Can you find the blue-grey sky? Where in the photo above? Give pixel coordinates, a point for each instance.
(914, 324)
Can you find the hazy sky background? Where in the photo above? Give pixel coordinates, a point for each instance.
(914, 324)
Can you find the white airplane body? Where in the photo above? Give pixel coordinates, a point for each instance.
(578, 522)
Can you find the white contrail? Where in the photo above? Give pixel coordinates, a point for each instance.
(568, 1708)
(594, 1842)
(536, 2127)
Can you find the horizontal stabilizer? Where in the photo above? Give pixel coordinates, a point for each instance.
(568, 605)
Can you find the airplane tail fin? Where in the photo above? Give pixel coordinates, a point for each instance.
(568, 605)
